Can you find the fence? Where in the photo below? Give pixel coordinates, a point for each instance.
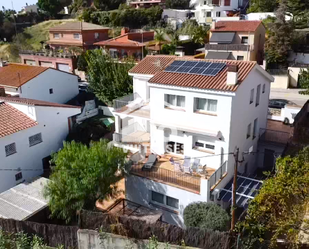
(122, 102)
(168, 176)
(273, 136)
(218, 175)
(53, 235)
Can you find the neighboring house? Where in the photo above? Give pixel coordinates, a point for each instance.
(33, 8)
(145, 3)
(128, 43)
(176, 17)
(40, 83)
(66, 63)
(30, 130)
(236, 40)
(23, 201)
(76, 34)
(207, 11)
(190, 113)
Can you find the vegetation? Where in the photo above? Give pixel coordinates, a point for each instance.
(198, 33)
(206, 216)
(83, 175)
(108, 4)
(279, 208)
(108, 78)
(262, 6)
(304, 81)
(51, 7)
(177, 4)
(278, 43)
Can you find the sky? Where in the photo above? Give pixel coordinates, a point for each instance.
(18, 4)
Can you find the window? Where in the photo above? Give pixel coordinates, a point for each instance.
(227, 2)
(208, 14)
(19, 176)
(208, 105)
(246, 168)
(204, 145)
(173, 147)
(258, 92)
(205, 2)
(251, 96)
(76, 36)
(35, 139)
(157, 197)
(255, 127)
(218, 14)
(172, 202)
(10, 149)
(215, 2)
(163, 199)
(56, 35)
(51, 91)
(240, 58)
(113, 53)
(248, 130)
(244, 40)
(263, 89)
(174, 100)
(96, 35)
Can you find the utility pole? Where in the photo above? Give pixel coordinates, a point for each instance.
(236, 156)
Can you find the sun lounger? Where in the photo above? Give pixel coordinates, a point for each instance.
(151, 161)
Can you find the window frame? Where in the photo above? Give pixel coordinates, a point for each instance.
(159, 194)
(197, 110)
(238, 56)
(258, 95)
(263, 88)
(251, 96)
(10, 153)
(74, 34)
(208, 12)
(247, 40)
(227, 2)
(218, 13)
(36, 141)
(18, 176)
(165, 199)
(56, 35)
(51, 91)
(254, 131)
(169, 105)
(248, 135)
(96, 35)
(204, 146)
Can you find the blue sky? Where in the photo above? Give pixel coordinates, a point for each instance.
(18, 4)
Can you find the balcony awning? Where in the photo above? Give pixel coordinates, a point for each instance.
(222, 37)
(218, 55)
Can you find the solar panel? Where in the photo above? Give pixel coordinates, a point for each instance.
(195, 67)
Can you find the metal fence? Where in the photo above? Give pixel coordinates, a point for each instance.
(168, 176)
(229, 47)
(273, 136)
(217, 175)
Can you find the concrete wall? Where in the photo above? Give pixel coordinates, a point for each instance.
(91, 239)
(141, 87)
(294, 76)
(52, 124)
(281, 82)
(64, 85)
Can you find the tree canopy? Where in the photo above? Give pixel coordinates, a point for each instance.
(206, 216)
(108, 78)
(83, 175)
(108, 4)
(304, 81)
(279, 208)
(52, 7)
(177, 4)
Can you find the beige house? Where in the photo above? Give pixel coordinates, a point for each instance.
(236, 40)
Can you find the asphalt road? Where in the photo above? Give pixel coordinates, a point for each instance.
(289, 94)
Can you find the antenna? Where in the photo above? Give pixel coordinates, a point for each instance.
(157, 63)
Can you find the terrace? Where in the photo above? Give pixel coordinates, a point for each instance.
(168, 172)
(229, 47)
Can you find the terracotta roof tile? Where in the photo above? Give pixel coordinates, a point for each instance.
(236, 26)
(217, 82)
(72, 26)
(152, 64)
(35, 102)
(13, 120)
(15, 75)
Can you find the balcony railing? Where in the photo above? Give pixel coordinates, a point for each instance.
(124, 101)
(48, 53)
(168, 176)
(216, 177)
(272, 136)
(229, 47)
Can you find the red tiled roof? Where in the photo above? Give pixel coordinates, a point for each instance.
(36, 102)
(77, 26)
(15, 75)
(217, 82)
(236, 26)
(13, 120)
(152, 64)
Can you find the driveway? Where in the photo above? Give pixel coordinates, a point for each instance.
(289, 94)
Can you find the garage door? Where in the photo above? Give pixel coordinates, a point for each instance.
(46, 64)
(63, 67)
(30, 62)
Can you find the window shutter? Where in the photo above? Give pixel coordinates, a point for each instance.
(227, 2)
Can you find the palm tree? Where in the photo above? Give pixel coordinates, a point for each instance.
(159, 38)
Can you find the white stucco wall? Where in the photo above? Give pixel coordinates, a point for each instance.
(140, 85)
(64, 85)
(281, 82)
(52, 124)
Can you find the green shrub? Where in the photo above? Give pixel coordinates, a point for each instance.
(206, 216)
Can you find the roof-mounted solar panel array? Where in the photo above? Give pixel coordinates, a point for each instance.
(195, 67)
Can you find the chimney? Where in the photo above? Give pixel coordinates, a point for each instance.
(2, 92)
(232, 75)
(213, 25)
(124, 30)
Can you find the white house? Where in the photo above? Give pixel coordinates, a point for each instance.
(30, 130)
(38, 83)
(193, 114)
(33, 8)
(207, 11)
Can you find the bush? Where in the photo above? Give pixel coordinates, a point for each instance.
(206, 216)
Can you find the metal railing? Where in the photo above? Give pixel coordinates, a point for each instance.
(273, 136)
(50, 53)
(168, 176)
(122, 102)
(218, 175)
(120, 138)
(229, 47)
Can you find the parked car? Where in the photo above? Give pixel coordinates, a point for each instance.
(279, 103)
